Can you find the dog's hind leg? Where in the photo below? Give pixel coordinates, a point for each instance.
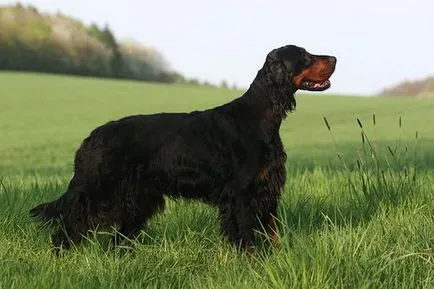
(143, 200)
(67, 235)
(74, 209)
(133, 221)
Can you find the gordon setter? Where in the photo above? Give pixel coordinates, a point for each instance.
(230, 156)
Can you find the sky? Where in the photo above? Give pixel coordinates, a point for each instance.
(378, 43)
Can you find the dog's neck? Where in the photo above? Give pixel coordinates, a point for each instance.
(278, 94)
(267, 104)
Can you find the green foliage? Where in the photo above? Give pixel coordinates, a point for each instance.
(60, 44)
(108, 39)
(95, 32)
(343, 222)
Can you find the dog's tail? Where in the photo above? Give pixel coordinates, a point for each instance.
(46, 212)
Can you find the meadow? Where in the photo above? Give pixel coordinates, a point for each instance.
(357, 211)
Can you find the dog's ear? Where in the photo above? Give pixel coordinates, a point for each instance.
(277, 76)
(275, 69)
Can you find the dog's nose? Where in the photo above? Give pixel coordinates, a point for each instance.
(333, 59)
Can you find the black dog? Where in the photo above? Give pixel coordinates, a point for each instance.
(230, 156)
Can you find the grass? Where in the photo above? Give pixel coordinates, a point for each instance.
(364, 220)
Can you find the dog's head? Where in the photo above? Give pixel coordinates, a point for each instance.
(294, 66)
(290, 68)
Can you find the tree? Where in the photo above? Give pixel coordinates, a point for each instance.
(224, 84)
(108, 39)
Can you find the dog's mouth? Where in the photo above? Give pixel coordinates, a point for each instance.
(315, 86)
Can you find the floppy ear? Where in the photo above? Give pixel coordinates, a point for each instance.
(277, 78)
(274, 68)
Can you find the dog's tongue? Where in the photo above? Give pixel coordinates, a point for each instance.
(319, 85)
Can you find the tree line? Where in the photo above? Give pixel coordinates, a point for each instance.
(32, 41)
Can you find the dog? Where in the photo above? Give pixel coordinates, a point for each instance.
(230, 156)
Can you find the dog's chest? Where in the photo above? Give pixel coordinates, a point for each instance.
(272, 171)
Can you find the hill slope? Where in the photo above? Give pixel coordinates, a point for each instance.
(423, 88)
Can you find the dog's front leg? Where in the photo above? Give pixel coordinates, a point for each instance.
(268, 221)
(247, 221)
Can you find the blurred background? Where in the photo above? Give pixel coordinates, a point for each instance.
(384, 47)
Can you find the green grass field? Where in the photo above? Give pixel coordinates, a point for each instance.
(343, 223)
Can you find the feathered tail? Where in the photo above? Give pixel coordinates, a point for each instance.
(46, 212)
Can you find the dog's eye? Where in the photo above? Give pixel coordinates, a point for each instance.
(307, 60)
